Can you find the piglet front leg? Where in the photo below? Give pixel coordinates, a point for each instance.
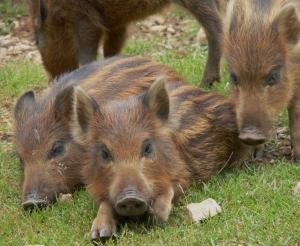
(294, 120)
(104, 225)
(162, 205)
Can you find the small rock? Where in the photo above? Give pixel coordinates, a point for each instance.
(171, 30)
(24, 47)
(157, 28)
(16, 24)
(282, 130)
(297, 189)
(65, 197)
(201, 37)
(8, 41)
(13, 50)
(2, 52)
(2, 25)
(203, 210)
(34, 56)
(157, 19)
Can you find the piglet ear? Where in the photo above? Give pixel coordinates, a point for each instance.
(157, 98)
(83, 112)
(63, 105)
(288, 26)
(24, 105)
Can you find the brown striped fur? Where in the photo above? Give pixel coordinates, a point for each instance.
(68, 32)
(262, 50)
(42, 124)
(192, 134)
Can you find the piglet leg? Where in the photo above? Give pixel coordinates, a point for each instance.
(163, 204)
(294, 120)
(104, 225)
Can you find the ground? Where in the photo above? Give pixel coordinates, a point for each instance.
(259, 207)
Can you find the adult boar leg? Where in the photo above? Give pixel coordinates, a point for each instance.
(104, 225)
(294, 120)
(88, 40)
(114, 41)
(163, 204)
(206, 12)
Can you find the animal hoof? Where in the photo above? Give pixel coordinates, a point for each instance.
(104, 233)
(208, 81)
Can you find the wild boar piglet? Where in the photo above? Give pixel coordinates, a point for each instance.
(262, 49)
(147, 149)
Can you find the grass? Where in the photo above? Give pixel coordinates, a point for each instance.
(258, 205)
(9, 9)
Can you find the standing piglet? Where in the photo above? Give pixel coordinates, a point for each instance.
(68, 32)
(146, 150)
(51, 160)
(263, 54)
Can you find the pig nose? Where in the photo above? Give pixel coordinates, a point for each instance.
(252, 136)
(131, 203)
(34, 201)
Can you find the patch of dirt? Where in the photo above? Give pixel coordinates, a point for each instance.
(19, 43)
(278, 148)
(174, 31)
(6, 136)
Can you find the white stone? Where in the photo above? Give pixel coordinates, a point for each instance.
(65, 197)
(203, 210)
(24, 47)
(171, 30)
(158, 28)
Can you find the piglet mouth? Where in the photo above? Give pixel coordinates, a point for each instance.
(34, 203)
(252, 136)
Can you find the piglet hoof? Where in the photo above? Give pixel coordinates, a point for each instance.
(101, 232)
(209, 79)
(99, 237)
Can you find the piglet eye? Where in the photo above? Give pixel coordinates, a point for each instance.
(234, 79)
(147, 148)
(57, 149)
(104, 152)
(273, 78)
